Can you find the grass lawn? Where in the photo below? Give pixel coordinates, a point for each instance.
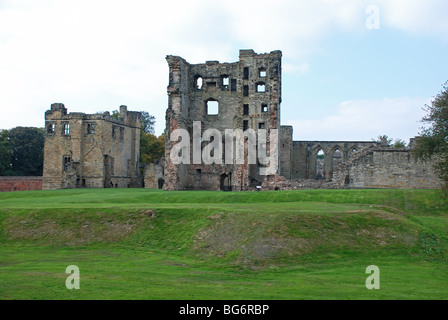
(153, 244)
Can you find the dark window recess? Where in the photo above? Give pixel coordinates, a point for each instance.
(245, 125)
(67, 160)
(264, 108)
(51, 127)
(66, 129)
(198, 174)
(246, 91)
(233, 85)
(90, 128)
(246, 73)
(246, 109)
(261, 125)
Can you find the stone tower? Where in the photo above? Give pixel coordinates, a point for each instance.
(243, 95)
(91, 150)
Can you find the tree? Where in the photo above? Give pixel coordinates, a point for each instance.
(148, 121)
(152, 148)
(399, 144)
(115, 115)
(384, 141)
(27, 145)
(433, 140)
(5, 154)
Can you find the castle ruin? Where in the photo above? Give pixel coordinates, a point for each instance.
(101, 151)
(242, 95)
(246, 95)
(91, 150)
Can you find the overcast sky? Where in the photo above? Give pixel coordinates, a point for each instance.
(352, 69)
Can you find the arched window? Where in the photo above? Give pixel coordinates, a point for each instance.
(320, 165)
(198, 82)
(260, 87)
(225, 80)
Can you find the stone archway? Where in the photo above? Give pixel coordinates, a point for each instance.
(225, 182)
(320, 164)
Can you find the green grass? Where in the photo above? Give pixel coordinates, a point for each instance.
(152, 244)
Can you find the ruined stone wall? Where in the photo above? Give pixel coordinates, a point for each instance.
(154, 176)
(392, 168)
(91, 150)
(286, 151)
(20, 183)
(305, 156)
(372, 167)
(247, 94)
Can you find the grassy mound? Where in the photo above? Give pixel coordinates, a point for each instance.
(136, 243)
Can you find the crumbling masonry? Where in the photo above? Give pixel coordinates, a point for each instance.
(241, 95)
(247, 95)
(91, 150)
(99, 151)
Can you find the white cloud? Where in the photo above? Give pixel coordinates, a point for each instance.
(363, 120)
(97, 54)
(417, 17)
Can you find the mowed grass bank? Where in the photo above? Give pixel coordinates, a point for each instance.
(152, 244)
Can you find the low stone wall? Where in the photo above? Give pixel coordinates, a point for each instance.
(20, 183)
(392, 168)
(281, 183)
(370, 168)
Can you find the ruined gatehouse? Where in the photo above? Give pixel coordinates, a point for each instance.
(91, 150)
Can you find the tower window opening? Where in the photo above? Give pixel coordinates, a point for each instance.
(66, 129)
(246, 91)
(245, 125)
(212, 107)
(246, 109)
(261, 87)
(246, 73)
(225, 81)
(198, 82)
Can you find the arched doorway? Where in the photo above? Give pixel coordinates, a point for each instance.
(225, 182)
